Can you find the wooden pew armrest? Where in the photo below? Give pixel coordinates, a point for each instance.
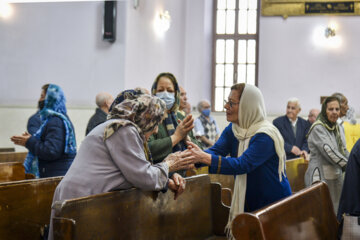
(219, 209)
(247, 225)
(64, 228)
(226, 196)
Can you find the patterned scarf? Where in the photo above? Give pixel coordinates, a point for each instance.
(323, 120)
(171, 119)
(142, 111)
(54, 106)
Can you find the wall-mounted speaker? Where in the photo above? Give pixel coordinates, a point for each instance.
(109, 26)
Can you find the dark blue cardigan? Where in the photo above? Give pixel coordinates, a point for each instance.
(350, 195)
(50, 149)
(285, 128)
(259, 161)
(34, 123)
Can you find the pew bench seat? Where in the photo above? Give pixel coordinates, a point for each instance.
(134, 214)
(25, 208)
(308, 214)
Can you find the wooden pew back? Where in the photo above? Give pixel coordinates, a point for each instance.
(308, 214)
(295, 171)
(134, 214)
(25, 208)
(7, 149)
(12, 171)
(226, 181)
(12, 156)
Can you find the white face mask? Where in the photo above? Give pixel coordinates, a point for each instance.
(168, 98)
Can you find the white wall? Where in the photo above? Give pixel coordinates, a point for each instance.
(62, 43)
(148, 54)
(59, 43)
(291, 65)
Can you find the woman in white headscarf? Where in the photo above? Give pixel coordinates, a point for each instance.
(256, 151)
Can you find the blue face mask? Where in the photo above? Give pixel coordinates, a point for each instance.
(206, 112)
(168, 98)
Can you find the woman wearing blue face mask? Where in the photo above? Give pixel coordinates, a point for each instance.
(206, 128)
(175, 128)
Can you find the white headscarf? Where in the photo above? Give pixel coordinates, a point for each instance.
(252, 120)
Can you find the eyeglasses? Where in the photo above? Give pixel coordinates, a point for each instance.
(231, 104)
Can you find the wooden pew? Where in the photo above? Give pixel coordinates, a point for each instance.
(12, 156)
(7, 149)
(134, 214)
(308, 214)
(12, 171)
(25, 208)
(295, 171)
(226, 181)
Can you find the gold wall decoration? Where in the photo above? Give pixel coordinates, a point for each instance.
(287, 8)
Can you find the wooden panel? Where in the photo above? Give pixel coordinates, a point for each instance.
(7, 149)
(25, 208)
(12, 156)
(11, 171)
(226, 181)
(308, 214)
(136, 214)
(295, 171)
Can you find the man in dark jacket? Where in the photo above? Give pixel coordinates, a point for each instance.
(103, 101)
(294, 130)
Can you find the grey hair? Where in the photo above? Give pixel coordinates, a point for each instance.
(200, 104)
(101, 98)
(294, 100)
(340, 96)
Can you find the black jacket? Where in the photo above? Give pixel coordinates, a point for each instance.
(96, 119)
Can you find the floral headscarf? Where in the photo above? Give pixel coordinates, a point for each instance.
(127, 94)
(142, 111)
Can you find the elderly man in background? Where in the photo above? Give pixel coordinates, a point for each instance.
(294, 130)
(103, 101)
(313, 113)
(344, 107)
(183, 102)
(206, 128)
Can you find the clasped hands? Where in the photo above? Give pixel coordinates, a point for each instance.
(21, 139)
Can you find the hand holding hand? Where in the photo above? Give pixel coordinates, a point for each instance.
(21, 140)
(196, 154)
(177, 161)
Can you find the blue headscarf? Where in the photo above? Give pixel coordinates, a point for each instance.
(54, 106)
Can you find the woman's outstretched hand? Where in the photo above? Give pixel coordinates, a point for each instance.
(196, 154)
